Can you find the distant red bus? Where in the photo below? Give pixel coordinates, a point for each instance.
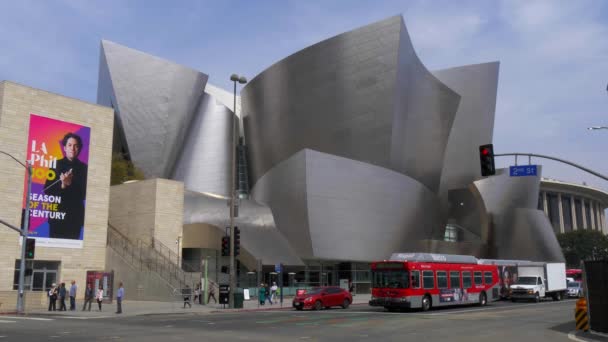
(575, 273)
(422, 280)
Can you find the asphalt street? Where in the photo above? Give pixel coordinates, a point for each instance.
(501, 321)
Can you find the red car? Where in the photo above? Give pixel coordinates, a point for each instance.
(323, 297)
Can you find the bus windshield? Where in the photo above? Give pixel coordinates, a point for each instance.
(397, 279)
(526, 280)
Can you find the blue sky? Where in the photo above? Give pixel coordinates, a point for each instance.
(553, 54)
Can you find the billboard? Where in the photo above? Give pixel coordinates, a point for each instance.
(59, 154)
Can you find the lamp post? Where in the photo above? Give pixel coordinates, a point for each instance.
(23, 232)
(242, 80)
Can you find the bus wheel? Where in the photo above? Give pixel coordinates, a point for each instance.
(426, 303)
(483, 300)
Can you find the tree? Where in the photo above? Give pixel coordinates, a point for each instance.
(124, 170)
(583, 245)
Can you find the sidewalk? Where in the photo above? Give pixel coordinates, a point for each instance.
(141, 308)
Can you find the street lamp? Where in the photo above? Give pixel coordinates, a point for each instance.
(597, 127)
(242, 80)
(23, 232)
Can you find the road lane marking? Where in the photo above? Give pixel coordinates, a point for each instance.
(30, 318)
(3, 321)
(496, 308)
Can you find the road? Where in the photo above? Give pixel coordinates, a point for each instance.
(501, 321)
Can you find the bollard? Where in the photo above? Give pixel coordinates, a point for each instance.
(580, 315)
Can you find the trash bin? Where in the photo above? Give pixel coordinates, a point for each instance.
(238, 300)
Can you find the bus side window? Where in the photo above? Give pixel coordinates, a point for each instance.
(477, 276)
(428, 279)
(466, 279)
(454, 279)
(488, 278)
(442, 279)
(415, 279)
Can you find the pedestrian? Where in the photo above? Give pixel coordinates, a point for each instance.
(88, 296)
(53, 293)
(211, 292)
(73, 289)
(99, 296)
(268, 294)
(262, 294)
(62, 293)
(351, 287)
(187, 292)
(197, 293)
(119, 296)
(273, 291)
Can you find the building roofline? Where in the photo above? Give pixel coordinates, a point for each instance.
(595, 192)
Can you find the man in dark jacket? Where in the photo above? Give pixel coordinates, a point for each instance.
(89, 294)
(71, 187)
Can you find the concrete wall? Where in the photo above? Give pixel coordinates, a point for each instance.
(149, 209)
(17, 102)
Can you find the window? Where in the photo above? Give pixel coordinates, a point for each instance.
(477, 279)
(442, 279)
(539, 281)
(451, 234)
(415, 279)
(454, 279)
(39, 275)
(466, 280)
(488, 278)
(588, 215)
(334, 290)
(428, 280)
(578, 210)
(553, 208)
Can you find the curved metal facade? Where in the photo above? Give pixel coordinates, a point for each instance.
(355, 150)
(362, 95)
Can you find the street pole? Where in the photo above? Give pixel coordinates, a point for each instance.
(24, 232)
(234, 78)
(206, 286)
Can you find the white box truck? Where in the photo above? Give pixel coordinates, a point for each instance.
(539, 279)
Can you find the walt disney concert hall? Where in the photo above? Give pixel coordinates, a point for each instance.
(349, 150)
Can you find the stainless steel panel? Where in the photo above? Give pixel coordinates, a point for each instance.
(331, 207)
(259, 235)
(473, 125)
(362, 95)
(206, 160)
(156, 101)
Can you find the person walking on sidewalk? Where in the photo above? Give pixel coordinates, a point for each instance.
(197, 293)
(73, 289)
(268, 293)
(187, 292)
(99, 296)
(53, 293)
(88, 296)
(273, 292)
(62, 294)
(211, 292)
(262, 294)
(119, 296)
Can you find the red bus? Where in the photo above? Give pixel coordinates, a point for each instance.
(424, 280)
(575, 273)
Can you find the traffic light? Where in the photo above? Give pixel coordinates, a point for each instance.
(225, 246)
(237, 241)
(30, 248)
(486, 159)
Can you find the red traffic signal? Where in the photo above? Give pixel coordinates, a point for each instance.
(486, 160)
(225, 246)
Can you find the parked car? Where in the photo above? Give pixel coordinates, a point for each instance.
(575, 289)
(318, 298)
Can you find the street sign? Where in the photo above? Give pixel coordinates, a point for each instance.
(278, 268)
(522, 170)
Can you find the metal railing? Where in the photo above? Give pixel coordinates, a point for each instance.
(157, 259)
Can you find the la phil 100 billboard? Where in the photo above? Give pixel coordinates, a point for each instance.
(59, 154)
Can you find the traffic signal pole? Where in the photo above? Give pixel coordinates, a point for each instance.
(24, 232)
